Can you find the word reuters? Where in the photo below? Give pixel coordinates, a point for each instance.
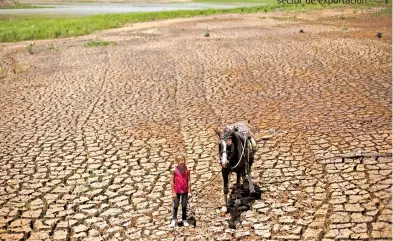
(322, 1)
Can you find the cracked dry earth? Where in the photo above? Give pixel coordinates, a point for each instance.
(88, 135)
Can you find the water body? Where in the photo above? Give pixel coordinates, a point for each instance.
(85, 9)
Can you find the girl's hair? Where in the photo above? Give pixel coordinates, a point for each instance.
(180, 157)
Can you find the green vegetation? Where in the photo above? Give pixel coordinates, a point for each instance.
(27, 205)
(95, 43)
(25, 5)
(53, 47)
(29, 47)
(30, 29)
(207, 33)
(238, 1)
(387, 10)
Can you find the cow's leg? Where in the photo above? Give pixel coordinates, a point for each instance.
(225, 176)
(238, 178)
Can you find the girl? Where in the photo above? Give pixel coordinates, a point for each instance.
(181, 187)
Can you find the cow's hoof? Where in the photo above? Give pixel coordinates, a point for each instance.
(224, 209)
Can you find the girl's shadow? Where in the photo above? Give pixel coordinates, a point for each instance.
(246, 201)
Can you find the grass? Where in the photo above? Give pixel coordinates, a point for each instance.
(207, 33)
(53, 47)
(30, 29)
(238, 1)
(96, 43)
(29, 47)
(387, 11)
(19, 6)
(27, 205)
(344, 28)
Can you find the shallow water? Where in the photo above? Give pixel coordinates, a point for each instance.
(85, 9)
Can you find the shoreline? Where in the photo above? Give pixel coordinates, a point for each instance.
(53, 28)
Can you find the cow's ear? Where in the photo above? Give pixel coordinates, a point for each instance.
(218, 132)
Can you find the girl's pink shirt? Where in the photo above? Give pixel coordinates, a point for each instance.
(181, 181)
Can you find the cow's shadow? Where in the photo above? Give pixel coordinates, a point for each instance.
(246, 198)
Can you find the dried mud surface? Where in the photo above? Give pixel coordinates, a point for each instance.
(88, 135)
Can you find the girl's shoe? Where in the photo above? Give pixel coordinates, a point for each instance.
(173, 223)
(185, 223)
